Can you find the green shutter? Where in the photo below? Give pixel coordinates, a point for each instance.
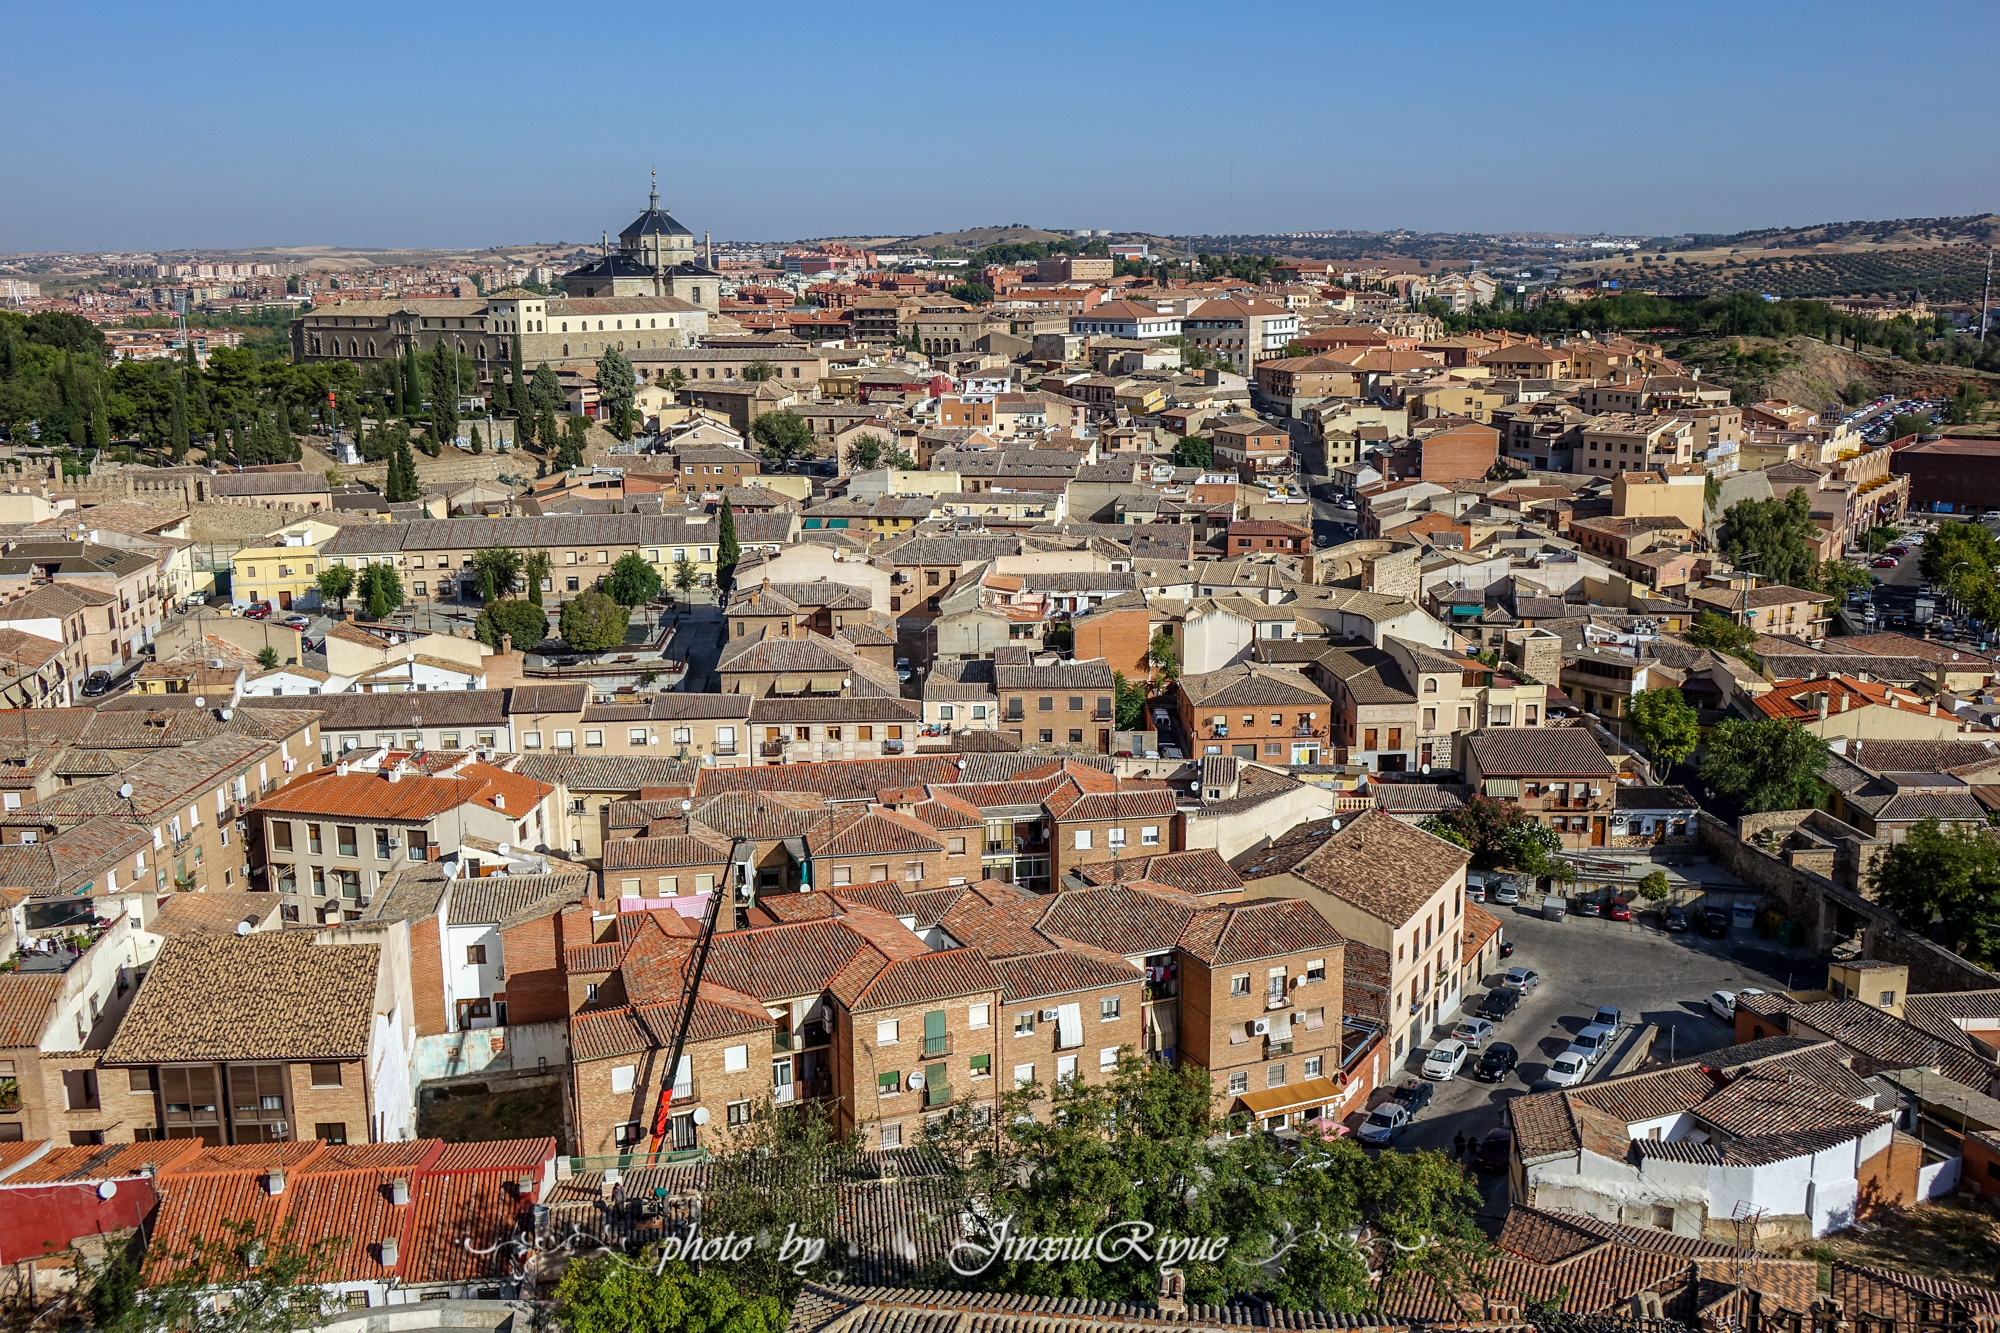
(934, 1024)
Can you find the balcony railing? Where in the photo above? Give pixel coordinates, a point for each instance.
(725, 751)
(1275, 1049)
(1278, 1000)
(688, 1090)
(814, 1035)
(781, 1041)
(937, 1045)
(892, 746)
(772, 749)
(1302, 730)
(1162, 990)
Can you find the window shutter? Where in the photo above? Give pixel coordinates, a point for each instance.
(934, 1025)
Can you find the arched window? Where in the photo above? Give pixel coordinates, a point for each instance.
(1430, 685)
(565, 327)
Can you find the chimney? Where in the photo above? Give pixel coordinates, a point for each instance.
(399, 1191)
(390, 1253)
(274, 1183)
(1822, 705)
(499, 801)
(1844, 700)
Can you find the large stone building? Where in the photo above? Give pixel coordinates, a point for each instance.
(651, 293)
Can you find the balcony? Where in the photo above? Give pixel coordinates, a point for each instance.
(1276, 1050)
(772, 749)
(1162, 990)
(892, 746)
(782, 1041)
(936, 1046)
(688, 1091)
(1302, 730)
(724, 751)
(814, 1035)
(1277, 1000)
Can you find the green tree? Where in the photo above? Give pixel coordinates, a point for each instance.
(546, 392)
(413, 383)
(784, 437)
(1943, 882)
(613, 1294)
(498, 568)
(446, 379)
(380, 589)
(1967, 404)
(525, 622)
(1776, 537)
(760, 371)
(1194, 451)
(535, 567)
(617, 387)
(1909, 423)
(1837, 578)
(1666, 723)
(593, 622)
(972, 293)
(769, 1182)
(478, 442)
(632, 582)
(685, 575)
(336, 582)
(403, 474)
(1535, 849)
(517, 395)
(1485, 827)
(1129, 702)
(864, 452)
(1769, 764)
(1655, 886)
(267, 658)
(1162, 654)
(1719, 632)
(727, 551)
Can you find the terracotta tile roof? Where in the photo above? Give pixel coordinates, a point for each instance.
(940, 975)
(412, 798)
(692, 849)
(879, 832)
(601, 1034)
(1381, 865)
(1034, 976)
(854, 1309)
(507, 900)
(1122, 918)
(1532, 752)
(1202, 871)
(842, 780)
(25, 1000)
(787, 961)
(1240, 932)
(211, 913)
(275, 995)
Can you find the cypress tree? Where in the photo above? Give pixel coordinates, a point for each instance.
(177, 423)
(520, 390)
(478, 444)
(727, 552)
(413, 383)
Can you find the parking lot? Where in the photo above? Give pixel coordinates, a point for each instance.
(1585, 962)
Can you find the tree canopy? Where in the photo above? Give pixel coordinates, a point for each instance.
(727, 550)
(1666, 723)
(1768, 764)
(593, 622)
(783, 437)
(1943, 881)
(613, 1294)
(380, 588)
(617, 390)
(1194, 451)
(498, 568)
(632, 582)
(522, 621)
(1776, 538)
(336, 582)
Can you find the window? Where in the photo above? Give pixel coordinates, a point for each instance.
(1312, 1066)
(1274, 1076)
(623, 1077)
(565, 740)
(1045, 704)
(1107, 1008)
(739, 1113)
(888, 1032)
(1115, 838)
(531, 740)
(1076, 735)
(956, 846)
(635, 736)
(889, 1083)
(982, 1066)
(1048, 736)
(281, 835)
(334, 1132)
(593, 740)
(1107, 1059)
(381, 844)
(892, 1136)
(1024, 1024)
(1023, 1075)
(735, 1059)
(347, 844)
(1083, 840)
(1239, 1082)
(475, 954)
(1316, 970)
(326, 1075)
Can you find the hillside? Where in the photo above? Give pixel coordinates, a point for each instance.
(1806, 370)
(1939, 272)
(978, 238)
(1977, 229)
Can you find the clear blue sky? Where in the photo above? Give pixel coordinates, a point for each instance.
(447, 124)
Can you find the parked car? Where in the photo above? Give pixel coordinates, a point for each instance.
(293, 620)
(1567, 1070)
(258, 610)
(1611, 1016)
(97, 683)
(1496, 1062)
(1475, 889)
(1677, 920)
(1506, 948)
(1505, 892)
(1883, 562)
(1474, 1032)
(1618, 910)
(1522, 979)
(1594, 1040)
(1589, 907)
(1722, 1003)
(1714, 922)
(1416, 1096)
(1384, 1123)
(1170, 752)
(1495, 1150)
(1445, 1058)
(1499, 1005)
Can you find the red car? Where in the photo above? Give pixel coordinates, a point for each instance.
(1898, 551)
(258, 610)
(1619, 910)
(1883, 562)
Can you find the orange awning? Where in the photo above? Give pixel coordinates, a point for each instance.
(1292, 1097)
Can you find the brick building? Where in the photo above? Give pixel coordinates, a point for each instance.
(1273, 713)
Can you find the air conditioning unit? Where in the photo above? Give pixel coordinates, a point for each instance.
(1049, 1015)
(1260, 1027)
(395, 842)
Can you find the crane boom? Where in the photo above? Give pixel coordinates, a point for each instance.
(700, 964)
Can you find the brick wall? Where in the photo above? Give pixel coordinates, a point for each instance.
(1119, 637)
(345, 1105)
(1037, 1046)
(1065, 855)
(536, 989)
(427, 978)
(1456, 455)
(1889, 1178)
(863, 1057)
(598, 1110)
(1212, 1016)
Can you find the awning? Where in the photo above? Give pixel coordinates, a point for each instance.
(1503, 786)
(1293, 1097)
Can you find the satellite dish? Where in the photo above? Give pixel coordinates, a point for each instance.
(242, 927)
(701, 1115)
(107, 1188)
(125, 791)
(961, 763)
(1336, 826)
(686, 806)
(1426, 768)
(200, 702)
(502, 849)
(916, 1079)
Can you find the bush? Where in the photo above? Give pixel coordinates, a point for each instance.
(1655, 886)
(523, 622)
(593, 622)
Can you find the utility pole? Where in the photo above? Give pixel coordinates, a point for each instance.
(1986, 297)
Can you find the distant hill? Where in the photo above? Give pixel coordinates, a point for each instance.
(978, 238)
(1978, 229)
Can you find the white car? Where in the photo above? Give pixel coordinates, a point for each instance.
(1384, 1123)
(1568, 1070)
(1723, 1002)
(1592, 1042)
(1445, 1058)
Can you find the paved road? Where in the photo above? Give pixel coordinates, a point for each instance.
(1585, 962)
(698, 638)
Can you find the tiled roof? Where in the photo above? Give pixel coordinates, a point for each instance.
(820, 1308)
(506, 900)
(1202, 871)
(940, 975)
(1121, 918)
(1247, 685)
(1533, 752)
(879, 832)
(607, 772)
(1240, 932)
(601, 1034)
(25, 998)
(1381, 865)
(386, 712)
(210, 913)
(274, 995)
(1034, 976)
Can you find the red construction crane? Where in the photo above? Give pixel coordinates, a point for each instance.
(698, 965)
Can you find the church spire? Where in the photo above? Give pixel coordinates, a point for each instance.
(655, 199)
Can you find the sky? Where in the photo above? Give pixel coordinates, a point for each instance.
(442, 124)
